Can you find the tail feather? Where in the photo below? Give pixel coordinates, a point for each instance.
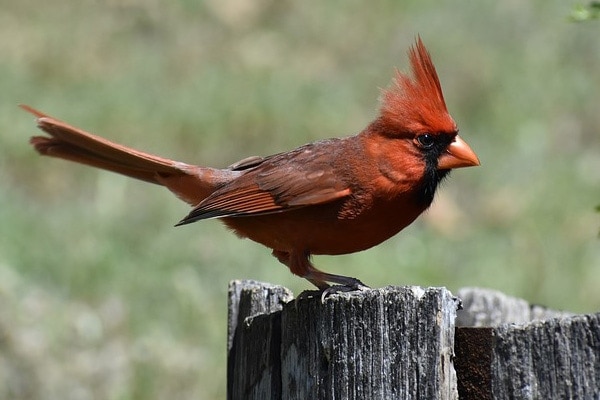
(189, 182)
(55, 148)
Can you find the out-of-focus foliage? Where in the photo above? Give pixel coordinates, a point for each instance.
(587, 12)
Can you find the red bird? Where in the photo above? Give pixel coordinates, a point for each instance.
(333, 196)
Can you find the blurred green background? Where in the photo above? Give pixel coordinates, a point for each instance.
(101, 298)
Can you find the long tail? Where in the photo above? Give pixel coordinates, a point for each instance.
(191, 183)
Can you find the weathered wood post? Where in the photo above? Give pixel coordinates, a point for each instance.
(395, 342)
(508, 349)
(399, 343)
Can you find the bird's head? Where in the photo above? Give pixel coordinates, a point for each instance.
(413, 107)
(413, 114)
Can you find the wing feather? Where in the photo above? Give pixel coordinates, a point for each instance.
(302, 177)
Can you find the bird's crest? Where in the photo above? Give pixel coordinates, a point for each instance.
(416, 103)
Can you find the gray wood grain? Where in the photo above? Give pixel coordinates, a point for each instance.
(554, 359)
(394, 342)
(402, 343)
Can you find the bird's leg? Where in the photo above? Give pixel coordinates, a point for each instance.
(299, 264)
(286, 259)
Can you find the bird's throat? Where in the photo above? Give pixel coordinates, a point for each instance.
(431, 180)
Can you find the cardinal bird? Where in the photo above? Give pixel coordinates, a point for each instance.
(334, 196)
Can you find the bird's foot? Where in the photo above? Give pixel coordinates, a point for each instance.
(355, 286)
(350, 285)
(344, 284)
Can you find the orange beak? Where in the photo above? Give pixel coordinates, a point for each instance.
(458, 155)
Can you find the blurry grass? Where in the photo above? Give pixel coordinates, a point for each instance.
(103, 298)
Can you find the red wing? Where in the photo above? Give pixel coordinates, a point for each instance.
(302, 177)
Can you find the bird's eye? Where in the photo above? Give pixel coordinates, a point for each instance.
(426, 141)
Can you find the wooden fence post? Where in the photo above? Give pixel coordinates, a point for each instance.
(509, 349)
(399, 343)
(253, 334)
(395, 342)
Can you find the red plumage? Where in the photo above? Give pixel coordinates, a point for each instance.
(333, 196)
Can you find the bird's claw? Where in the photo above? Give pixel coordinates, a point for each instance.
(355, 285)
(359, 286)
